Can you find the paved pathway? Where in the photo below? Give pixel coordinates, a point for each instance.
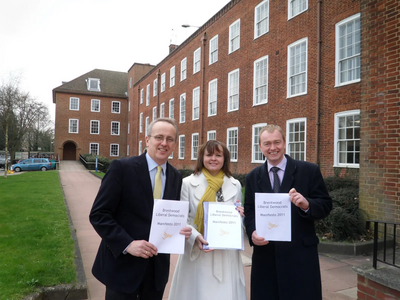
(80, 187)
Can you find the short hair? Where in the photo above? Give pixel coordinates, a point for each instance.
(213, 146)
(167, 120)
(271, 128)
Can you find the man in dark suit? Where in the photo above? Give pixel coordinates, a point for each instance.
(126, 263)
(286, 270)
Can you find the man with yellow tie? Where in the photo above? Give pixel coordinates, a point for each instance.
(126, 263)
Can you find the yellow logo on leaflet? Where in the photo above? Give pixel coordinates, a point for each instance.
(272, 225)
(223, 232)
(166, 235)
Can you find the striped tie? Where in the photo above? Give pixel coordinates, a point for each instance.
(277, 183)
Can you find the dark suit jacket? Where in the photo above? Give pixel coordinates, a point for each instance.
(289, 268)
(121, 213)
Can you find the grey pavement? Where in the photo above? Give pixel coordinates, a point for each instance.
(339, 281)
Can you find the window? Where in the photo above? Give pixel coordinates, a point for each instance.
(73, 126)
(148, 95)
(213, 50)
(93, 84)
(195, 145)
(162, 110)
(154, 113)
(114, 150)
(94, 148)
(256, 155)
(116, 107)
(183, 68)
(182, 109)
(234, 36)
(162, 82)
(141, 123)
(233, 90)
(146, 125)
(260, 92)
(141, 96)
(129, 106)
(261, 19)
(196, 60)
(114, 128)
(296, 138)
(130, 82)
(297, 68)
(95, 106)
(74, 103)
(181, 154)
(347, 139)
(129, 128)
(172, 77)
(140, 150)
(212, 97)
(196, 104)
(127, 150)
(232, 142)
(155, 87)
(171, 108)
(296, 7)
(94, 127)
(211, 135)
(348, 54)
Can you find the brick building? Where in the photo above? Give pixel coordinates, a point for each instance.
(91, 115)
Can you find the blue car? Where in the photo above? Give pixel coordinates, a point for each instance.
(32, 164)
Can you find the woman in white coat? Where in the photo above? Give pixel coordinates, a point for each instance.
(209, 274)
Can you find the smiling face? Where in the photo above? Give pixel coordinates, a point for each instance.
(273, 146)
(213, 162)
(161, 141)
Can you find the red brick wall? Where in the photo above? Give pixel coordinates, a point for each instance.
(380, 117)
(371, 290)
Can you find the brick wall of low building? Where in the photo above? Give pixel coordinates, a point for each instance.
(371, 290)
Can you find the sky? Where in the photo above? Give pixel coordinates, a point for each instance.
(46, 42)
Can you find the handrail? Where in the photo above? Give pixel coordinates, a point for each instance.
(385, 242)
(90, 163)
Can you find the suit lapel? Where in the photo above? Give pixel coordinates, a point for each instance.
(288, 178)
(170, 189)
(143, 176)
(263, 181)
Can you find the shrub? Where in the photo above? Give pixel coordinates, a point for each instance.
(241, 178)
(186, 172)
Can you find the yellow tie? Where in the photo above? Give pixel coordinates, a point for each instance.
(157, 184)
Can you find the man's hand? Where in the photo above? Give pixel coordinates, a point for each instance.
(187, 232)
(142, 248)
(258, 240)
(298, 199)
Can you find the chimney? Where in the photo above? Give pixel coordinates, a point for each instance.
(172, 47)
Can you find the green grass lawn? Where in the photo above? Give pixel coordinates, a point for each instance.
(36, 247)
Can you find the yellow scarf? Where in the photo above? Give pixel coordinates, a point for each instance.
(214, 184)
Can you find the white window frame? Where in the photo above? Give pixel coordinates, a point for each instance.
(69, 125)
(195, 146)
(212, 97)
(147, 123)
(196, 60)
(211, 135)
(196, 103)
(233, 91)
(181, 151)
(171, 113)
(336, 139)
(294, 138)
(233, 148)
(96, 150)
(116, 107)
(260, 81)
(182, 108)
(162, 110)
(148, 95)
(256, 151)
(296, 3)
(113, 123)
(141, 96)
(94, 104)
(129, 106)
(127, 150)
(162, 82)
(261, 19)
(141, 123)
(184, 69)
(234, 37)
(129, 128)
(96, 82)
(111, 150)
(130, 82)
(292, 73)
(154, 115)
(92, 122)
(74, 103)
(140, 147)
(213, 57)
(356, 46)
(155, 87)
(172, 77)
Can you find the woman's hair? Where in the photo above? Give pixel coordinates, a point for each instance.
(211, 147)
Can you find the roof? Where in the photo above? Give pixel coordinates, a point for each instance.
(112, 84)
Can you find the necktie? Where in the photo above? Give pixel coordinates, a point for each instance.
(157, 184)
(277, 184)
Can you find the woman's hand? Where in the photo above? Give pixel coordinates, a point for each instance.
(200, 242)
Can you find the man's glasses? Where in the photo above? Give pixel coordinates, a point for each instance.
(160, 138)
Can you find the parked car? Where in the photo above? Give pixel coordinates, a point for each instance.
(3, 162)
(32, 164)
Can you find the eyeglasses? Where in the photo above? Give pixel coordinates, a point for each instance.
(160, 138)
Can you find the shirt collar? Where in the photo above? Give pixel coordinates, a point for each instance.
(152, 164)
(281, 165)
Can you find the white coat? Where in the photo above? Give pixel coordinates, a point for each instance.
(214, 275)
